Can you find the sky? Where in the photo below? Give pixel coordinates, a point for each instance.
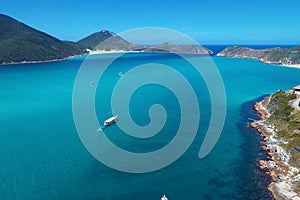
(207, 21)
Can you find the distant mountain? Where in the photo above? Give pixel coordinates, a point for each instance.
(106, 40)
(21, 43)
(280, 56)
(172, 48)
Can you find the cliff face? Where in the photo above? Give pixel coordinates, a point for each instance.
(280, 56)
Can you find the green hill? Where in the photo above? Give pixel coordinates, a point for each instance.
(21, 43)
(281, 56)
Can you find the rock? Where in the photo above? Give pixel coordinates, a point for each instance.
(263, 164)
(284, 190)
(297, 148)
(272, 164)
(281, 177)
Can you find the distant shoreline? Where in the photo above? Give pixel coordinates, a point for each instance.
(37, 62)
(102, 52)
(63, 59)
(264, 62)
(98, 52)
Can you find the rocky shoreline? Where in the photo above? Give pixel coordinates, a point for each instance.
(283, 175)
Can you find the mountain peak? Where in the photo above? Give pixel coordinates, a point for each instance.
(105, 40)
(107, 32)
(5, 16)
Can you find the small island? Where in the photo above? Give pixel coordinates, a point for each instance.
(279, 127)
(278, 56)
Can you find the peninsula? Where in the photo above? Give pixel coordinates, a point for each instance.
(278, 56)
(279, 127)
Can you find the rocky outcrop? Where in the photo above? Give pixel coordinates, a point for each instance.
(285, 176)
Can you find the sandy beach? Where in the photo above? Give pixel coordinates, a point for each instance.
(293, 66)
(95, 52)
(280, 64)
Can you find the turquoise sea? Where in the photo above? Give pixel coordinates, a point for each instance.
(42, 157)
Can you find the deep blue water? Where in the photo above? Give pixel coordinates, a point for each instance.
(42, 157)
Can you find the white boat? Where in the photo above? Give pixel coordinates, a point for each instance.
(164, 197)
(110, 121)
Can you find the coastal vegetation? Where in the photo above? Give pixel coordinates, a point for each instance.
(280, 56)
(286, 120)
(280, 129)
